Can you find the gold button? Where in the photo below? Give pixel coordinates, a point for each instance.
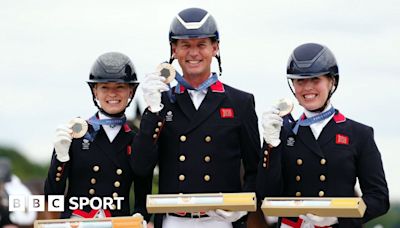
(159, 124)
(119, 171)
(57, 179)
(265, 159)
(59, 168)
(207, 177)
(182, 138)
(321, 193)
(264, 165)
(91, 191)
(96, 168)
(323, 161)
(157, 129)
(58, 174)
(115, 195)
(207, 158)
(298, 178)
(298, 194)
(117, 184)
(207, 139)
(154, 136)
(322, 178)
(182, 158)
(113, 207)
(181, 177)
(93, 181)
(266, 153)
(299, 161)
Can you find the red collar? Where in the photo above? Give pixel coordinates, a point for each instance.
(127, 128)
(217, 87)
(339, 117)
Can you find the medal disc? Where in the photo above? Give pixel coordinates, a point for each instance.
(167, 71)
(79, 127)
(285, 106)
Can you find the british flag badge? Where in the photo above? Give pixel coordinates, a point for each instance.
(226, 113)
(342, 139)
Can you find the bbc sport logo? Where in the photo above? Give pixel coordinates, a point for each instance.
(56, 203)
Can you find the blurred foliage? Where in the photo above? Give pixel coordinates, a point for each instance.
(22, 167)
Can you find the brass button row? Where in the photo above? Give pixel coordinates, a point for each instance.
(320, 193)
(182, 158)
(183, 138)
(300, 161)
(206, 177)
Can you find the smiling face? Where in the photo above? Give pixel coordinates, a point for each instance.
(113, 97)
(195, 56)
(312, 93)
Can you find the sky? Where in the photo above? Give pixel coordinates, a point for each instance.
(47, 48)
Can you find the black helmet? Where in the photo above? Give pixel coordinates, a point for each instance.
(113, 67)
(193, 23)
(312, 60)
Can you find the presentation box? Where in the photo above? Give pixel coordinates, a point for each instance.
(174, 203)
(113, 222)
(348, 207)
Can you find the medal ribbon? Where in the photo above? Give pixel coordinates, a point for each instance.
(314, 119)
(181, 81)
(96, 123)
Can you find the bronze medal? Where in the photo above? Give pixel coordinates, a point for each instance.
(285, 106)
(167, 71)
(79, 127)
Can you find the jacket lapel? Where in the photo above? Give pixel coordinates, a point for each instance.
(210, 103)
(307, 137)
(332, 128)
(185, 104)
(115, 149)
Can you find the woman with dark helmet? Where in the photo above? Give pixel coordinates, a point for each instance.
(99, 162)
(323, 153)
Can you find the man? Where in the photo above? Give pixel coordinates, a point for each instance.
(99, 164)
(200, 131)
(323, 153)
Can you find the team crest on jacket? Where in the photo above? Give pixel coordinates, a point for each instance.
(342, 139)
(226, 113)
(290, 141)
(85, 144)
(169, 116)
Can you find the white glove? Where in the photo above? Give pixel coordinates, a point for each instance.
(144, 223)
(272, 124)
(311, 220)
(226, 216)
(62, 142)
(152, 86)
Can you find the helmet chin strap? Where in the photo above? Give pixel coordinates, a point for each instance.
(322, 108)
(120, 114)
